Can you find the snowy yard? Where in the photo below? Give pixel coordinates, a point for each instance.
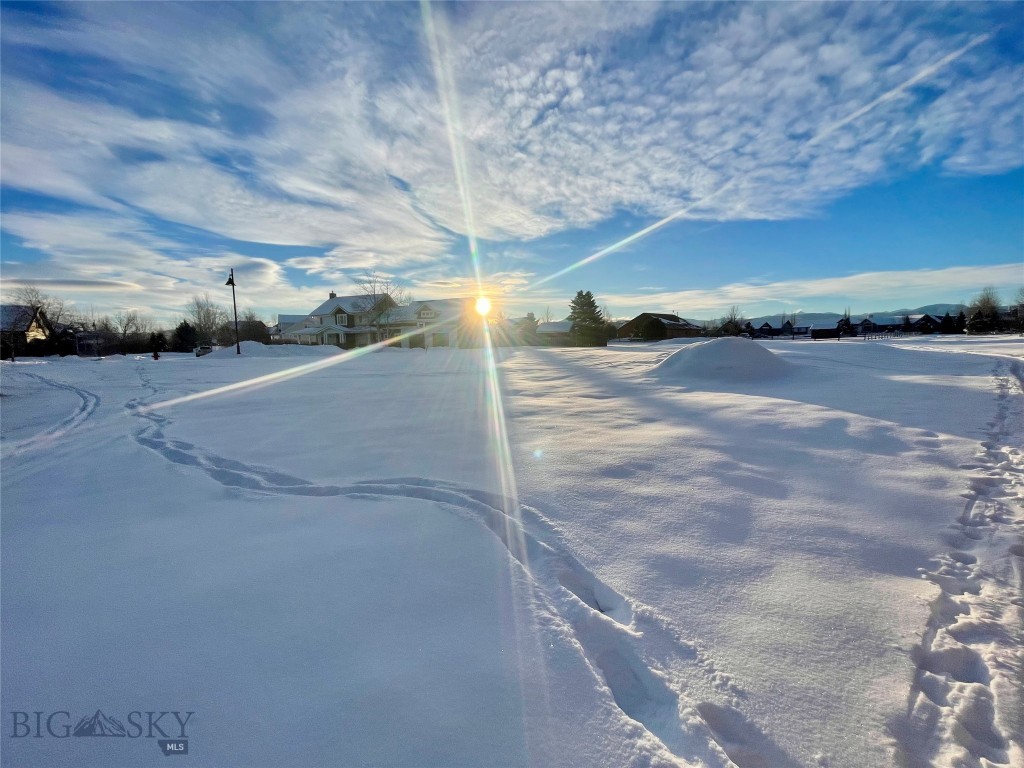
(778, 554)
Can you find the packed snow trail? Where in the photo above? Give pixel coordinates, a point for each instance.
(965, 706)
(615, 635)
(89, 402)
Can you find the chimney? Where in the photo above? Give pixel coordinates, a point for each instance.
(332, 295)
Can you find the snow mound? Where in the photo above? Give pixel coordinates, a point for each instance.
(256, 349)
(730, 359)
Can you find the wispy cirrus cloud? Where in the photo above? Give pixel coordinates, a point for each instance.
(321, 125)
(898, 287)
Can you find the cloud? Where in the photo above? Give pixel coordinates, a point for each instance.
(899, 286)
(113, 262)
(321, 125)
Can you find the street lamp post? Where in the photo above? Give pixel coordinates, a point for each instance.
(234, 304)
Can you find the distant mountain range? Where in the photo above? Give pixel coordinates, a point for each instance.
(829, 319)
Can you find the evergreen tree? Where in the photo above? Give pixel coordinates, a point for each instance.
(844, 327)
(961, 323)
(979, 323)
(184, 338)
(587, 321)
(528, 329)
(947, 325)
(158, 342)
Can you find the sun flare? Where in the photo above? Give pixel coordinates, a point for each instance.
(483, 306)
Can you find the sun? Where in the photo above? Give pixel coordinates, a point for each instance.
(483, 306)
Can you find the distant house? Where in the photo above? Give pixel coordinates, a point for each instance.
(674, 326)
(342, 321)
(285, 323)
(880, 324)
(924, 323)
(788, 329)
(20, 327)
(433, 323)
(358, 321)
(556, 334)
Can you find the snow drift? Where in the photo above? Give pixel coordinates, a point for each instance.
(724, 359)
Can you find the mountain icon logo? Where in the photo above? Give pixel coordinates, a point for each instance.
(99, 725)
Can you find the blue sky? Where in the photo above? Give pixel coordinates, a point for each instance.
(803, 156)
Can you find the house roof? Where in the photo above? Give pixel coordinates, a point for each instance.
(556, 326)
(447, 310)
(663, 316)
(667, 319)
(16, 317)
(348, 304)
(316, 330)
(680, 324)
(283, 321)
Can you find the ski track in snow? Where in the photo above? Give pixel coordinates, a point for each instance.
(965, 705)
(89, 403)
(629, 646)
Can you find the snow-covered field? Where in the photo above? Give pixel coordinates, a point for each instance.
(778, 554)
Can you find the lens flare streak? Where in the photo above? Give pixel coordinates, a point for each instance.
(635, 236)
(288, 373)
(450, 108)
(506, 473)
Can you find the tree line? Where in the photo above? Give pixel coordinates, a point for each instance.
(129, 331)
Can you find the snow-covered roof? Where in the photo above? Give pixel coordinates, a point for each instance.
(15, 317)
(305, 322)
(447, 310)
(556, 326)
(348, 304)
(886, 320)
(316, 330)
(283, 321)
(680, 324)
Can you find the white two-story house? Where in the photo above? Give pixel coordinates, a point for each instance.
(357, 321)
(343, 321)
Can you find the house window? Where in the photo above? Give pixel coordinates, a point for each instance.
(340, 319)
(428, 313)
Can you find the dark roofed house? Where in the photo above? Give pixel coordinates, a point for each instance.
(924, 323)
(557, 333)
(21, 326)
(674, 327)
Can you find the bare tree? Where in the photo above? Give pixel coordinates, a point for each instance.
(986, 302)
(546, 318)
(205, 317)
(31, 296)
(381, 295)
(126, 324)
(732, 323)
(983, 312)
(250, 328)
